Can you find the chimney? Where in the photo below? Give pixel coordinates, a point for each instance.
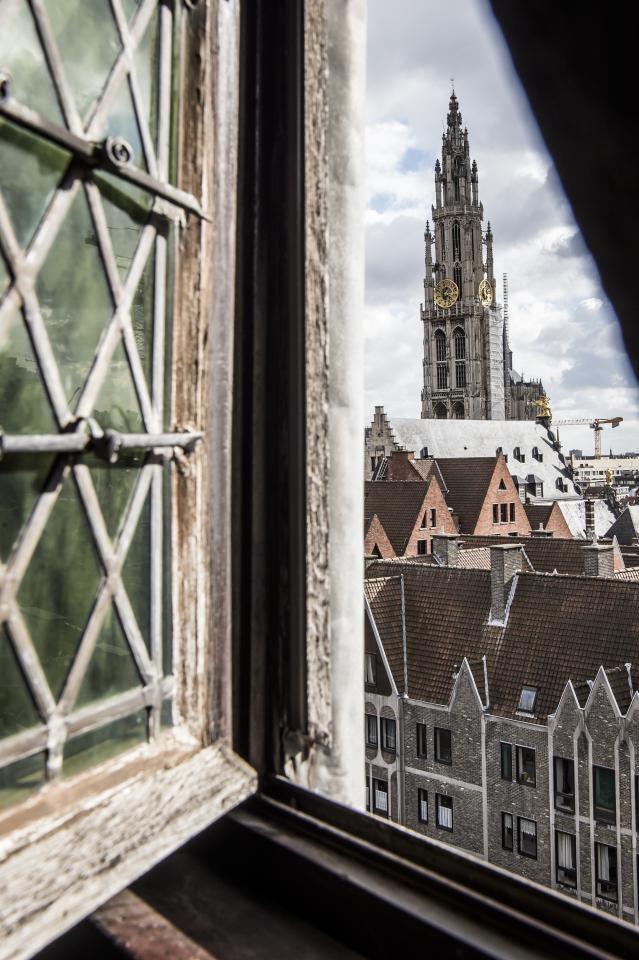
(399, 466)
(505, 562)
(599, 560)
(540, 532)
(445, 549)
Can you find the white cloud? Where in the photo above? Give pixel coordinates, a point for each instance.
(562, 327)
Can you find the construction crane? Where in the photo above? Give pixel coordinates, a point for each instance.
(595, 424)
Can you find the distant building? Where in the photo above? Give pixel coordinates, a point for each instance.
(496, 722)
(467, 370)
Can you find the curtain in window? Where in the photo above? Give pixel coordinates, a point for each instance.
(381, 800)
(603, 862)
(423, 808)
(565, 851)
(445, 816)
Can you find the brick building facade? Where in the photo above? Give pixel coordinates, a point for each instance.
(512, 738)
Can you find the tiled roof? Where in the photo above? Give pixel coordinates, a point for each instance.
(558, 629)
(481, 438)
(538, 514)
(467, 480)
(546, 554)
(397, 503)
(630, 574)
(626, 526)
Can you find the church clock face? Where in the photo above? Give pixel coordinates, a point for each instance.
(485, 293)
(446, 293)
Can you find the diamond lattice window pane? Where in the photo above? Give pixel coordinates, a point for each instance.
(121, 121)
(114, 484)
(112, 668)
(5, 277)
(22, 477)
(147, 61)
(142, 314)
(17, 710)
(89, 44)
(60, 586)
(117, 406)
(24, 407)
(74, 296)
(22, 57)
(136, 574)
(100, 745)
(21, 778)
(30, 170)
(126, 209)
(130, 8)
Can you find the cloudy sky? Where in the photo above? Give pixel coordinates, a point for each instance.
(562, 327)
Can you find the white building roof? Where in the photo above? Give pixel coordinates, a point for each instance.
(574, 512)
(481, 438)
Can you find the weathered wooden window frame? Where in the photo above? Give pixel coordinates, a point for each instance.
(75, 843)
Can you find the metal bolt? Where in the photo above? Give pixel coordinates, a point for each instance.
(5, 85)
(119, 151)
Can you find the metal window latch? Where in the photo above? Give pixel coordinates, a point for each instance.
(105, 443)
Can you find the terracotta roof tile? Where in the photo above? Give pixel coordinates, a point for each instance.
(467, 480)
(397, 503)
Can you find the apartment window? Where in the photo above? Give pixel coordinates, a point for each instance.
(422, 805)
(606, 871)
(503, 512)
(421, 736)
(566, 855)
(422, 548)
(506, 760)
(495, 513)
(604, 794)
(388, 728)
(564, 784)
(380, 797)
(507, 831)
(526, 766)
(444, 811)
(371, 730)
(433, 517)
(423, 523)
(443, 745)
(370, 669)
(527, 700)
(511, 507)
(527, 837)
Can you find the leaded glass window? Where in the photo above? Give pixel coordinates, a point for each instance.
(87, 210)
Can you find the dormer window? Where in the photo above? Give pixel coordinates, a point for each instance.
(537, 455)
(518, 455)
(527, 700)
(423, 453)
(370, 669)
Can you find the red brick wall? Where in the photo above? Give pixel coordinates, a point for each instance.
(484, 525)
(434, 499)
(556, 523)
(376, 536)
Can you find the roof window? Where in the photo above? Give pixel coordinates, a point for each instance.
(527, 700)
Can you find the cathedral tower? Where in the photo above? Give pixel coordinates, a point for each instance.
(466, 373)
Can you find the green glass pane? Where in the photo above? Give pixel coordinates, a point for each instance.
(20, 779)
(30, 170)
(166, 714)
(117, 406)
(136, 573)
(142, 318)
(5, 277)
(95, 747)
(167, 611)
(21, 55)
(168, 324)
(121, 121)
(60, 585)
(130, 8)
(24, 407)
(74, 296)
(112, 668)
(17, 709)
(114, 484)
(147, 63)
(22, 477)
(126, 210)
(89, 43)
